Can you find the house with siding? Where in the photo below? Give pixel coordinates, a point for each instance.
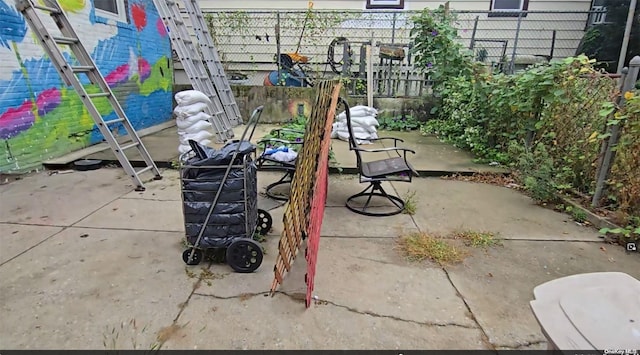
(245, 30)
(42, 118)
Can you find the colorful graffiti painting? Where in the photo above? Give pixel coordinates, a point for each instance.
(40, 117)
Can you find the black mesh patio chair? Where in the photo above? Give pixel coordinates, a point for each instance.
(377, 202)
(266, 162)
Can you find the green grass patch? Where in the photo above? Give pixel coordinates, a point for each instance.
(478, 239)
(421, 246)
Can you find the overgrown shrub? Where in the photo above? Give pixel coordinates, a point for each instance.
(548, 122)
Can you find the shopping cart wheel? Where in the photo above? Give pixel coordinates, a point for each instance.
(264, 222)
(244, 255)
(195, 259)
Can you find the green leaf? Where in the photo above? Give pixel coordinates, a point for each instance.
(606, 111)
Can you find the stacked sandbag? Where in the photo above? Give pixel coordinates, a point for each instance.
(191, 118)
(363, 122)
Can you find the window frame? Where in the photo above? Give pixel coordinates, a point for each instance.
(385, 4)
(121, 16)
(524, 7)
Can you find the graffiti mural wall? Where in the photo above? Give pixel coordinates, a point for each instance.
(41, 118)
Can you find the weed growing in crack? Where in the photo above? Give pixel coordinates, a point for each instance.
(126, 336)
(478, 239)
(205, 275)
(166, 333)
(410, 203)
(421, 246)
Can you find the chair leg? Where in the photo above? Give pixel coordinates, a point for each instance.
(375, 189)
(285, 179)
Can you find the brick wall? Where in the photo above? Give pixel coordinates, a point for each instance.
(41, 118)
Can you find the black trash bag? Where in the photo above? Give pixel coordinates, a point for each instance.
(235, 214)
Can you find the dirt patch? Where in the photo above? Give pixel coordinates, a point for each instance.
(167, 333)
(498, 179)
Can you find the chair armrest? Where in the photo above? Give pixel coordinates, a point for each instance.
(378, 150)
(394, 149)
(395, 140)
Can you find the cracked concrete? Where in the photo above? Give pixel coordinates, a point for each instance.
(87, 263)
(280, 322)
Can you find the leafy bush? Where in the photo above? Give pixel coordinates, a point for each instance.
(437, 49)
(400, 123)
(548, 122)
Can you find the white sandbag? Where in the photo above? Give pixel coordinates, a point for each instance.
(339, 125)
(189, 97)
(343, 117)
(198, 126)
(334, 134)
(356, 129)
(365, 130)
(183, 148)
(365, 122)
(369, 110)
(206, 142)
(358, 135)
(358, 111)
(345, 137)
(184, 123)
(183, 112)
(198, 137)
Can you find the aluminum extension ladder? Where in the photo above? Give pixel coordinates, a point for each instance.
(69, 73)
(212, 60)
(194, 66)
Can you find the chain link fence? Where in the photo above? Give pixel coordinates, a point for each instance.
(327, 44)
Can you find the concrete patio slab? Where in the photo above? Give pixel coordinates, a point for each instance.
(162, 146)
(72, 292)
(227, 284)
(281, 322)
(340, 222)
(433, 155)
(167, 189)
(445, 206)
(138, 214)
(369, 276)
(18, 238)
(498, 284)
(61, 199)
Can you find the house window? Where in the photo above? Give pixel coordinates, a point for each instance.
(114, 9)
(598, 13)
(385, 4)
(508, 8)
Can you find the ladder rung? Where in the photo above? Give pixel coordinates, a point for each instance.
(65, 40)
(144, 170)
(98, 94)
(114, 121)
(82, 68)
(134, 144)
(47, 8)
